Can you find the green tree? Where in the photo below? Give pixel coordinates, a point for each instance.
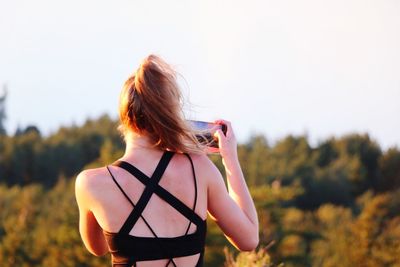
(364, 154)
(19, 209)
(3, 116)
(389, 165)
(370, 239)
(254, 155)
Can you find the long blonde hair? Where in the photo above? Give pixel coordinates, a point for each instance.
(151, 104)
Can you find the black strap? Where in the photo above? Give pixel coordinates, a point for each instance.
(194, 204)
(195, 190)
(152, 186)
(178, 205)
(144, 198)
(120, 188)
(123, 192)
(164, 194)
(147, 193)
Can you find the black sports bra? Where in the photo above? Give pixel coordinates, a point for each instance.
(126, 250)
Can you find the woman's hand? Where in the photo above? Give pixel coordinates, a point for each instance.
(227, 143)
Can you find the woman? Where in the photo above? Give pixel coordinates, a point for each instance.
(149, 208)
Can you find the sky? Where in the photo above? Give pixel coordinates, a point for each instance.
(304, 67)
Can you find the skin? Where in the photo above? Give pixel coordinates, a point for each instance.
(103, 206)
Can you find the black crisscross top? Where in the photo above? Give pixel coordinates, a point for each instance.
(127, 250)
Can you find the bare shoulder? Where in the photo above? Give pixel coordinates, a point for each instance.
(204, 166)
(91, 179)
(201, 160)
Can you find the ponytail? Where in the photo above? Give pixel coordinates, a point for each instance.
(150, 104)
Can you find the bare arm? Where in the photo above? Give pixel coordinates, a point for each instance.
(91, 232)
(234, 211)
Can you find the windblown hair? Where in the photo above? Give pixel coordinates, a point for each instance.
(151, 105)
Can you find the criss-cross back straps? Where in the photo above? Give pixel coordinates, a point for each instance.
(164, 194)
(147, 193)
(126, 196)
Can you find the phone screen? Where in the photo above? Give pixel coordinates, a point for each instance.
(205, 132)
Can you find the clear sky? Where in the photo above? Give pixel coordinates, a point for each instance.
(279, 67)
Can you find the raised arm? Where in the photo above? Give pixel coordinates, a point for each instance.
(232, 209)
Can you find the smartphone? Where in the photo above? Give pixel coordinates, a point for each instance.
(205, 132)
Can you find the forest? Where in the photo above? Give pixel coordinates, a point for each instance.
(334, 204)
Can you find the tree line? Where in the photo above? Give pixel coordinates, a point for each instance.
(335, 204)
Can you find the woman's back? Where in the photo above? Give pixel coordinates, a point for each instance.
(112, 207)
(152, 204)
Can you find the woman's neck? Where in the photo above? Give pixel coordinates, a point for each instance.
(136, 142)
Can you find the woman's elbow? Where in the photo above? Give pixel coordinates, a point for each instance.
(98, 251)
(96, 247)
(99, 254)
(249, 244)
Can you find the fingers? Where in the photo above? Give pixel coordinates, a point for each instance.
(229, 130)
(221, 121)
(219, 134)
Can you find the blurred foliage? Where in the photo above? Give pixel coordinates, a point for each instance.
(258, 258)
(3, 115)
(28, 158)
(39, 227)
(336, 204)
